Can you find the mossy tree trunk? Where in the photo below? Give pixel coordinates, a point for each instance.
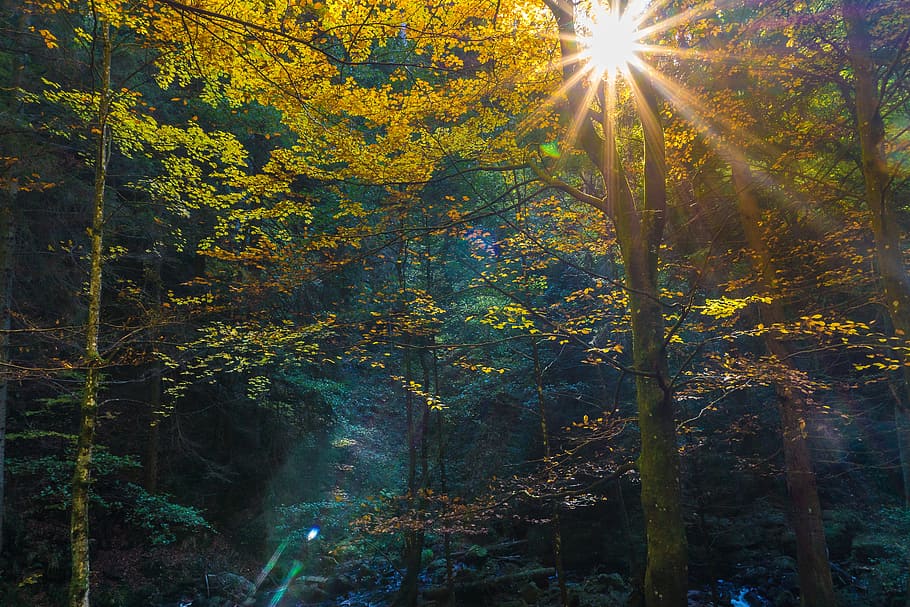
(639, 223)
(88, 410)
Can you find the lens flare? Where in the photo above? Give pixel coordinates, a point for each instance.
(271, 564)
(296, 568)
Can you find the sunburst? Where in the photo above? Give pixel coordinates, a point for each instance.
(610, 38)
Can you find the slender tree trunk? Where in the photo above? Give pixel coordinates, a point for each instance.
(816, 585)
(418, 455)
(7, 254)
(7, 250)
(886, 230)
(413, 537)
(545, 437)
(443, 485)
(153, 440)
(902, 428)
(79, 531)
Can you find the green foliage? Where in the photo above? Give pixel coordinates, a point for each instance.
(158, 517)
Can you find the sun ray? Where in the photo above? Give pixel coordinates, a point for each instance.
(687, 16)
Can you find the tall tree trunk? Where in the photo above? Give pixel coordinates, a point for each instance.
(7, 250)
(870, 131)
(7, 254)
(639, 229)
(418, 479)
(413, 537)
(895, 282)
(88, 410)
(153, 438)
(816, 585)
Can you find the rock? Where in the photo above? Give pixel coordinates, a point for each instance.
(233, 586)
(867, 548)
(530, 593)
(784, 598)
(605, 582)
(755, 572)
(697, 598)
(313, 594)
(784, 563)
(364, 573)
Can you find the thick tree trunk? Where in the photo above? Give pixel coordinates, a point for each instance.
(666, 577)
(870, 131)
(666, 574)
(816, 585)
(88, 410)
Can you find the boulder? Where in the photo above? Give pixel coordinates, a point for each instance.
(529, 593)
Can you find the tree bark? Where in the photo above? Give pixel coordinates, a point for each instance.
(816, 584)
(88, 410)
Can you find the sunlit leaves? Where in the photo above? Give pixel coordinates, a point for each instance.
(725, 307)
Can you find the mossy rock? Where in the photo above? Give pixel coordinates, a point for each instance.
(871, 547)
(476, 555)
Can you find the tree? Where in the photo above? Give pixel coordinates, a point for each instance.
(639, 224)
(816, 585)
(88, 408)
(870, 84)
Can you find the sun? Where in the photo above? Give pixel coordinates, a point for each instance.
(610, 39)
